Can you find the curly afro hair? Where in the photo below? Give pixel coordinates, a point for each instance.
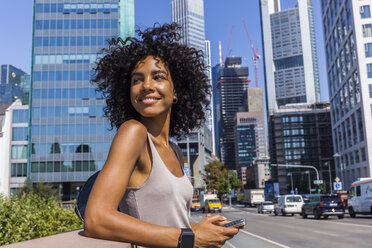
(186, 66)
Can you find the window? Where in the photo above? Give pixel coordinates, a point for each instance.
(367, 30)
(368, 49)
(19, 152)
(19, 133)
(369, 70)
(370, 90)
(365, 11)
(363, 153)
(19, 170)
(358, 191)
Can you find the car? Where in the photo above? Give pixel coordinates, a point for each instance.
(265, 207)
(324, 205)
(289, 204)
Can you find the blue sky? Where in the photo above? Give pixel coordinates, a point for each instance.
(220, 16)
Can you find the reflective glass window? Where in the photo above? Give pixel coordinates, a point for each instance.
(367, 30)
(365, 11)
(369, 70)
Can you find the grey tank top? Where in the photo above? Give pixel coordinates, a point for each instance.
(163, 199)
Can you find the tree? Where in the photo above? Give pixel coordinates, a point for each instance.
(43, 190)
(218, 177)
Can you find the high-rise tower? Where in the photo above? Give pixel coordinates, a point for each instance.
(291, 67)
(347, 26)
(198, 147)
(69, 137)
(232, 84)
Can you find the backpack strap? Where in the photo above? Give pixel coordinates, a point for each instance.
(177, 150)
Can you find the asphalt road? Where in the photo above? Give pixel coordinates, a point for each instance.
(268, 230)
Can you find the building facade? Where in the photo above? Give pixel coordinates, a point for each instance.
(13, 146)
(250, 142)
(289, 49)
(258, 173)
(11, 79)
(233, 84)
(301, 135)
(347, 27)
(69, 137)
(189, 14)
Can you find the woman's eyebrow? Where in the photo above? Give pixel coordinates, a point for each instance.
(158, 72)
(136, 74)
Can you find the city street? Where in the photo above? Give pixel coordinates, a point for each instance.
(268, 230)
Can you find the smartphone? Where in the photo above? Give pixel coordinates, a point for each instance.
(235, 223)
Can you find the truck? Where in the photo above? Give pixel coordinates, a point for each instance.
(360, 197)
(210, 202)
(253, 197)
(195, 205)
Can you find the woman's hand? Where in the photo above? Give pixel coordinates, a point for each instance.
(210, 233)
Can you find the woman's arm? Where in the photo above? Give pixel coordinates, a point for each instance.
(102, 220)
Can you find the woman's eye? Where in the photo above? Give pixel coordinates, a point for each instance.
(159, 78)
(135, 80)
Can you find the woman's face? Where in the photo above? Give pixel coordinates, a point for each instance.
(152, 90)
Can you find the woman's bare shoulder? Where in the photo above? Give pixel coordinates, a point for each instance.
(130, 139)
(133, 126)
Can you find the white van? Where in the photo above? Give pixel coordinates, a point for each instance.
(289, 204)
(360, 197)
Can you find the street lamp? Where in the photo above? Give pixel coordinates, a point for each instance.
(290, 174)
(330, 176)
(308, 173)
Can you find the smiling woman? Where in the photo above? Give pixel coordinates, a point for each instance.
(154, 88)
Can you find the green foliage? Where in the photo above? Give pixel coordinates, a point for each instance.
(31, 216)
(43, 190)
(218, 177)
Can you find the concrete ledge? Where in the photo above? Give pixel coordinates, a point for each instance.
(72, 239)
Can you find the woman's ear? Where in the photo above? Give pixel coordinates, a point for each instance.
(175, 98)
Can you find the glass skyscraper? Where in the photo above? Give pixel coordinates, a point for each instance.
(347, 26)
(232, 84)
(198, 146)
(291, 67)
(69, 137)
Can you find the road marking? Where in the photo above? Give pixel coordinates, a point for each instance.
(231, 245)
(327, 233)
(265, 239)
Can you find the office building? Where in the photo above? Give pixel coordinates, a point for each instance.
(301, 135)
(289, 49)
(10, 83)
(232, 84)
(347, 27)
(250, 142)
(189, 14)
(13, 146)
(69, 137)
(257, 174)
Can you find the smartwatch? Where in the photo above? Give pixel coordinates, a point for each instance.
(186, 239)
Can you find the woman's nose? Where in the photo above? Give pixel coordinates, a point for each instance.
(148, 84)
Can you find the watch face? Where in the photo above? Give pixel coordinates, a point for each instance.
(187, 241)
(187, 238)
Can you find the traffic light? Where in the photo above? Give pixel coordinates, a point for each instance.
(319, 190)
(270, 167)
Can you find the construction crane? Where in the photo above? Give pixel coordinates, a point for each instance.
(256, 56)
(229, 42)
